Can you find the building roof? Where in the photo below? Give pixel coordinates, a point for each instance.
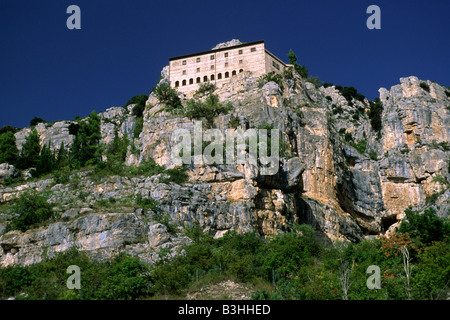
(217, 50)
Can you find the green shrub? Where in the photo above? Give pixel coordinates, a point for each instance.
(36, 120)
(207, 110)
(176, 175)
(288, 251)
(123, 277)
(265, 295)
(206, 88)
(348, 92)
(138, 126)
(167, 95)
(8, 148)
(29, 155)
(301, 69)
(85, 148)
(426, 227)
(8, 128)
(139, 101)
(147, 203)
(127, 278)
(425, 86)
(373, 155)
(315, 81)
(360, 146)
(271, 76)
(348, 137)
(337, 109)
(32, 209)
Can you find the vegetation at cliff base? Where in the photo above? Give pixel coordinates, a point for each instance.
(290, 265)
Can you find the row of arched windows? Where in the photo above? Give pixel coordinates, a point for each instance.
(206, 79)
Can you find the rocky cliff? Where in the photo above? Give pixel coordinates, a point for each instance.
(324, 178)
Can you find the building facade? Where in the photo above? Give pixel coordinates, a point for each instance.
(218, 66)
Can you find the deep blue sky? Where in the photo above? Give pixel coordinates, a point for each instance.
(54, 73)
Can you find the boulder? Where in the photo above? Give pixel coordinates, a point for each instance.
(8, 171)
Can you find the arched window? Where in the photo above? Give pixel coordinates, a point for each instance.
(212, 77)
(219, 76)
(227, 74)
(177, 84)
(205, 78)
(233, 73)
(191, 81)
(241, 70)
(184, 82)
(198, 80)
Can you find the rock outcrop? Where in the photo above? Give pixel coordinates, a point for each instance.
(323, 179)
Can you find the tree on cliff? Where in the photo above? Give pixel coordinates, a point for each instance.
(85, 150)
(8, 148)
(301, 69)
(29, 155)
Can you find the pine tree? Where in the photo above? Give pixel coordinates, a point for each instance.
(62, 157)
(46, 162)
(301, 69)
(8, 148)
(85, 149)
(29, 155)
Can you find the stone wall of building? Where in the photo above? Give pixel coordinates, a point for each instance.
(218, 66)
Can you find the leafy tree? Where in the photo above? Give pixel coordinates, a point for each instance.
(36, 120)
(8, 148)
(426, 227)
(288, 251)
(32, 209)
(85, 149)
(301, 69)
(376, 109)
(8, 128)
(349, 93)
(139, 102)
(271, 76)
(127, 278)
(207, 110)
(431, 275)
(62, 157)
(205, 88)
(167, 95)
(46, 162)
(29, 155)
(73, 128)
(425, 86)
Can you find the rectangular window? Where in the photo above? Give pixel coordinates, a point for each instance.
(184, 72)
(226, 64)
(184, 62)
(198, 69)
(212, 67)
(226, 54)
(212, 57)
(240, 51)
(276, 65)
(252, 49)
(198, 59)
(241, 62)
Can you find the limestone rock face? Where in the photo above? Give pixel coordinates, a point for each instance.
(100, 236)
(7, 171)
(233, 42)
(334, 172)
